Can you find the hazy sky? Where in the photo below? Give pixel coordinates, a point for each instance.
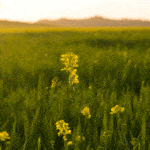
(33, 10)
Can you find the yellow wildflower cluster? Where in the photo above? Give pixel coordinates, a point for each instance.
(70, 61)
(69, 143)
(73, 78)
(55, 82)
(116, 109)
(64, 129)
(86, 111)
(78, 138)
(4, 136)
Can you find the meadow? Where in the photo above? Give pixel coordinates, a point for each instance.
(100, 101)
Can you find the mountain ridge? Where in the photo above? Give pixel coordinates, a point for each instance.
(96, 21)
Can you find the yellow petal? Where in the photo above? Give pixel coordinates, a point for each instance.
(69, 143)
(64, 137)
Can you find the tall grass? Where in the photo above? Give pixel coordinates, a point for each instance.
(113, 70)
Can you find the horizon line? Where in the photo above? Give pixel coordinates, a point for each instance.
(68, 18)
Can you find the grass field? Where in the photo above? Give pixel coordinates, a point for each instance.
(113, 69)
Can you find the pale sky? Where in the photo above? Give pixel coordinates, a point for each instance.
(33, 10)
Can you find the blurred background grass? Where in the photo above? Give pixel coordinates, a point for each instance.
(25, 55)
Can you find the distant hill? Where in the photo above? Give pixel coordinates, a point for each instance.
(16, 24)
(90, 22)
(96, 22)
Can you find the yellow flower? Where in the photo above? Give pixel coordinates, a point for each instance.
(83, 138)
(69, 143)
(90, 87)
(73, 72)
(63, 128)
(89, 116)
(68, 132)
(104, 133)
(4, 136)
(64, 137)
(60, 132)
(73, 78)
(69, 60)
(74, 60)
(116, 109)
(78, 138)
(86, 111)
(54, 82)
